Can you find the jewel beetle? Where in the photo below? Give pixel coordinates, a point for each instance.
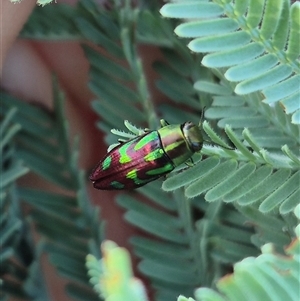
(147, 157)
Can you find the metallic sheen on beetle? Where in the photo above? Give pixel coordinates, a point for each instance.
(147, 157)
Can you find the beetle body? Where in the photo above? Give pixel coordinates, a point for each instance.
(147, 157)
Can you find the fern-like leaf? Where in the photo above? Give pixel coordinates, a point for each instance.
(174, 263)
(246, 178)
(69, 225)
(52, 23)
(268, 277)
(252, 34)
(20, 271)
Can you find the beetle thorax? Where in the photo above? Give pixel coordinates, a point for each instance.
(180, 141)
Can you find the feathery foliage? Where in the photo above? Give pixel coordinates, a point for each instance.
(266, 277)
(258, 41)
(17, 261)
(112, 276)
(215, 215)
(69, 226)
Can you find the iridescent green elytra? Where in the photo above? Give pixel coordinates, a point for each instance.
(147, 157)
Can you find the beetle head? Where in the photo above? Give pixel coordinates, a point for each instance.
(193, 136)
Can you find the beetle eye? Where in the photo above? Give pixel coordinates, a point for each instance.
(188, 125)
(196, 145)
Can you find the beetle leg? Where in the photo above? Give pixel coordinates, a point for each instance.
(190, 162)
(202, 116)
(120, 140)
(164, 123)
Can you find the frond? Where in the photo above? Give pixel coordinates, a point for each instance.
(119, 71)
(15, 255)
(269, 126)
(175, 263)
(50, 23)
(69, 225)
(8, 130)
(112, 276)
(269, 228)
(257, 41)
(241, 175)
(267, 277)
(214, 214)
